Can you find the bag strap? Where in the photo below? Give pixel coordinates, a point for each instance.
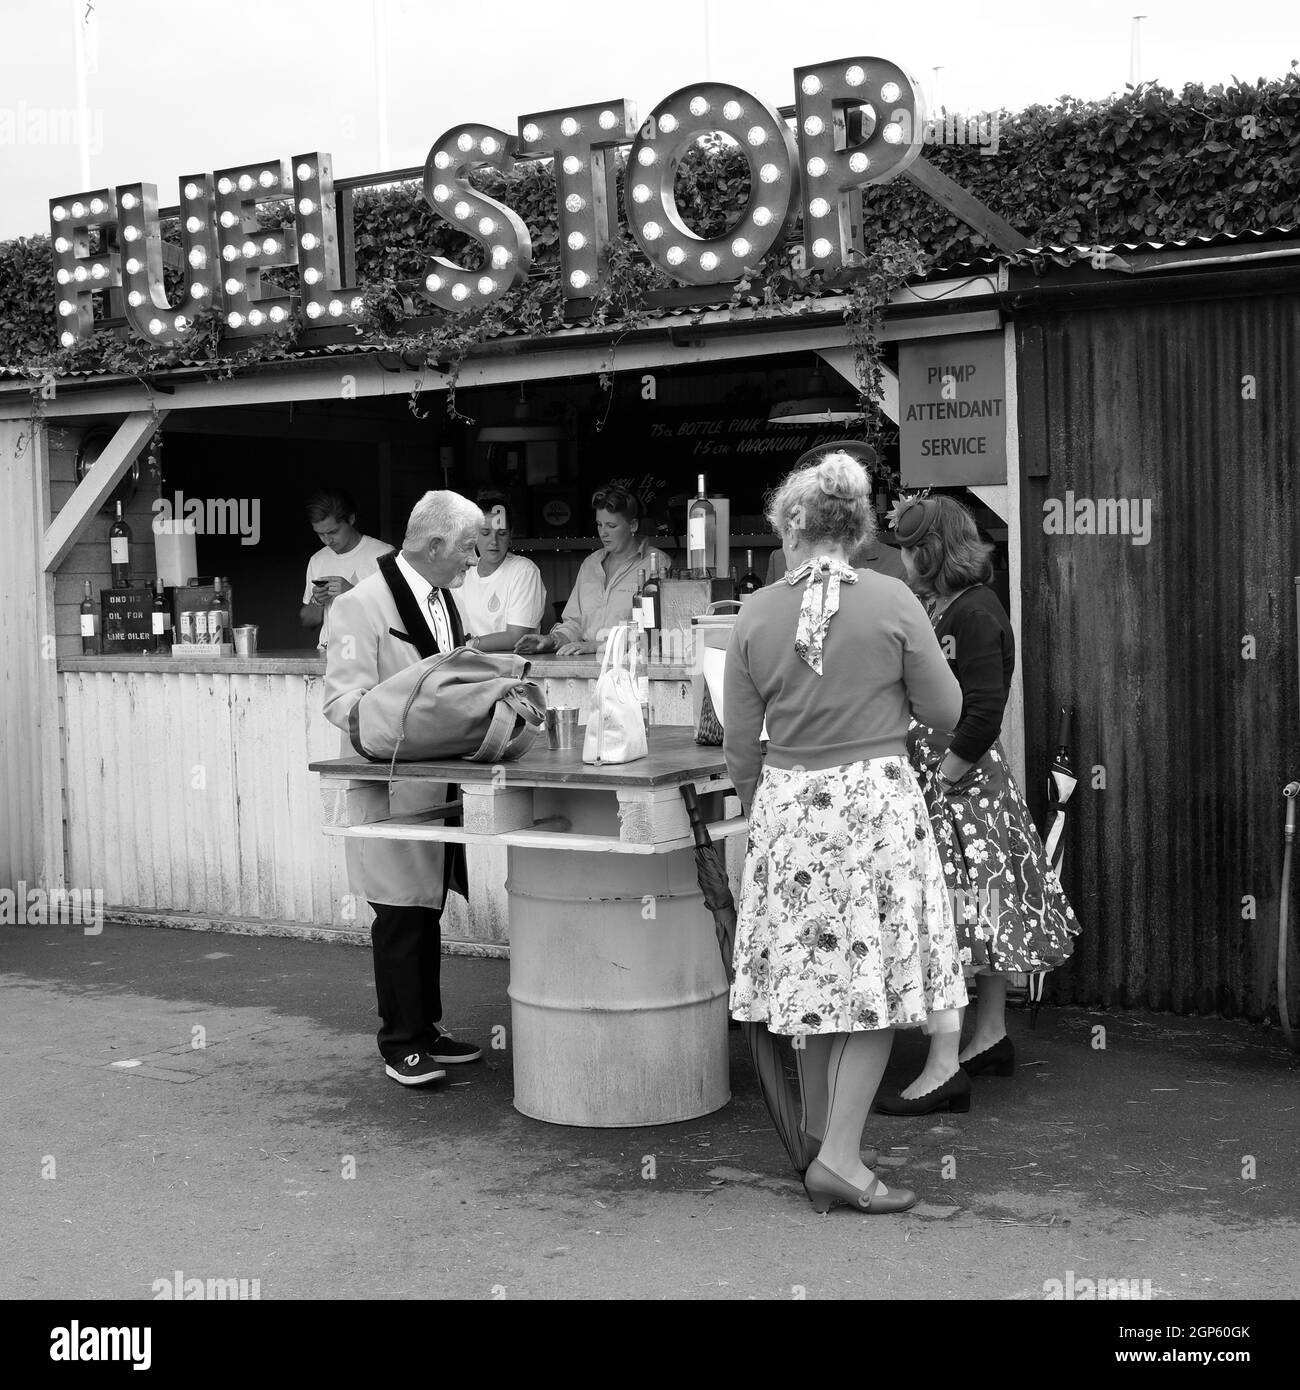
(502, 740)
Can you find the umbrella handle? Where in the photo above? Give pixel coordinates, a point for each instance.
(695, 815)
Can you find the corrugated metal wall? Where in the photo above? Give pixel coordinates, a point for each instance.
(1179, 656)
(21, 789)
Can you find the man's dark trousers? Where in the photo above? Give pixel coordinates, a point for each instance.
(407, 946)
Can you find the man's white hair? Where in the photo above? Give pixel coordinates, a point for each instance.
(442, 515)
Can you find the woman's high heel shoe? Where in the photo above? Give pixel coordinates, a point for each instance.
(1000, 1059)
(825, 1188)
(953, 1095)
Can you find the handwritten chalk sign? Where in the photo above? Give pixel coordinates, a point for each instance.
(127, 620)
(952, 395)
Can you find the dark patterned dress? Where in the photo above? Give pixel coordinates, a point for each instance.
(1010, 909)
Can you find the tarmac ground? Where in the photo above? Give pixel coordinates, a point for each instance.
(279, 1152)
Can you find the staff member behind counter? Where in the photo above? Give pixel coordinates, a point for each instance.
(606, 583)
(875, 554)
(503, 596)
(346, 557)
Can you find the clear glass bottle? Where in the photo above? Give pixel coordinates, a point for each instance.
(701, 534)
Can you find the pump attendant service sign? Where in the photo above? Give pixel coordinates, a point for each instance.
(108, 239)
(952, 417)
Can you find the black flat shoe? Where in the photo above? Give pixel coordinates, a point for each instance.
(1000, 1059)
(953, 1095)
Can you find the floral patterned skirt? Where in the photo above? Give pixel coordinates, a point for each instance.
(1011, 911)
(844, 923)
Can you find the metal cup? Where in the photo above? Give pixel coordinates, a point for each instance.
(561, 726)
(246, 640)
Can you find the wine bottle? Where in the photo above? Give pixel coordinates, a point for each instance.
(119, 550)
(216, 615)
(89, 624)
(701, 534)
(650, 608)
(161, 617)
(749, 581)
(638, 610)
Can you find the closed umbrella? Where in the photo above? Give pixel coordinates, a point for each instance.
(1061, 783)
(772, 1055)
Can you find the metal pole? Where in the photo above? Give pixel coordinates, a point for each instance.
(1135, 51)
(81, 16)
(381, 77)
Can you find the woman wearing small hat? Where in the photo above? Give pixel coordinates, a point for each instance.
(1011, 912)
(844, 929)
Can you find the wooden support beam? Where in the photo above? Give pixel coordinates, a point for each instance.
(102, 477)
(965, 205)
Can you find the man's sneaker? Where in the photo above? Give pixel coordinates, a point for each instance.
(445, 1048)
(415, 1069)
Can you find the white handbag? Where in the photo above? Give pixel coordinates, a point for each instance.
(615, 728)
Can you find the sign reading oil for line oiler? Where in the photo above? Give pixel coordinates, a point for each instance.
(952, 425)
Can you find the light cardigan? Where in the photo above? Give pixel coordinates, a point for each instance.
(882, 664)
(596, 605)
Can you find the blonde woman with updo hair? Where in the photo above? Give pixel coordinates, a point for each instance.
(844, 931)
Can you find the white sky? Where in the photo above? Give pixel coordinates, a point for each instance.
(185, 87)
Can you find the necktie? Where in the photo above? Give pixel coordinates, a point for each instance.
(438, 621)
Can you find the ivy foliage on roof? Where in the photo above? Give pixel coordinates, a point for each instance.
(1148, 165)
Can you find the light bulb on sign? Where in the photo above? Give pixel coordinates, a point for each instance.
(858, 162)
(224, 186)
(608, 120)
(698, 106)
(732, 110)
(890, 93)
(309, 241)
(255, 318)
(192, 224)
(855, 76)
(98, 271)
(576, 241)
(441, 160)
(245, 182)
(311, 275)
(652, 231)
(58, 212)
(532, 133)
(306, 207)
(62, 244)
(572, 164)
(488, 144)
(267, 178)
(465, 142)
(80, 274)
(250, 250)
(486, 226)
(275, 314)
(180, 323)
(740, 247)
(708, 261)
(486, 285)
(816, 167)
(233, 286)
(756, 135)
(821, 248)
(235, 319)
(64, 275)
(67, 339)
(568, 126)
(270, 246)
(228, 218)
(357, 305)
(305, 171)
(130, 233)
(668, 123)
(769, 173)
(66, 307)
(459, 290)
(893, 133)
(336, 308)
(641, 193)
(462, 210)
(812, 84)
(675, 255)
(132, 266)
(575, 202)
(155, 326)
(814, 125)
(314, 310)
(198, 290)
(819, 207)
(198, 257)
(96, 206)
(129, 200)
(579, 279)
(78, 209)
(441, 193)
(645, 155)
(433, 282)
(500, 258)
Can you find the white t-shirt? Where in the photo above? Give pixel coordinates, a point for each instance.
(357, 564)
(512, 596)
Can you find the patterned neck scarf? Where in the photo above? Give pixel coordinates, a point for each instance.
(820, 604)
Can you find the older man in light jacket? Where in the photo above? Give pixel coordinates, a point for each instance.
(389, 621)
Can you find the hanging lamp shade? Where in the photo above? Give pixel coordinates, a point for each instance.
(816, 404)
(523, 428)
